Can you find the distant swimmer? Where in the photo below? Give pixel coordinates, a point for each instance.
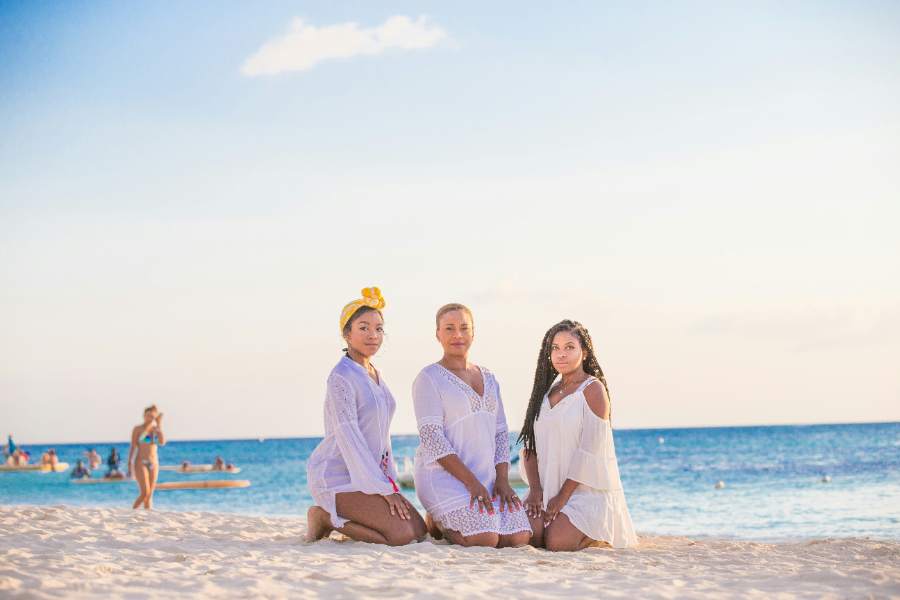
(94, 459)
(80, 471)
(50, 458)
(143, 458)
(219, 464)
(18, 458)
(112, 465)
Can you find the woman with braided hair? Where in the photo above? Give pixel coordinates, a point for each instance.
(351, 474)
(575, 496)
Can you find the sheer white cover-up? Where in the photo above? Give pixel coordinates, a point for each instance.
(574, 443)
(453, 419)
(355, 455)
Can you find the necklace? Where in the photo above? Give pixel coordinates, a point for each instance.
(563, 386)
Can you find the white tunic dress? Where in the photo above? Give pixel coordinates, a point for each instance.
(574, 443)
(453, 419)
(355, 455)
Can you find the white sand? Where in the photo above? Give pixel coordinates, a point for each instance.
(49, 552)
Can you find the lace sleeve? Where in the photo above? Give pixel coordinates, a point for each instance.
(434, 443)
(501, 438)
(501, 449)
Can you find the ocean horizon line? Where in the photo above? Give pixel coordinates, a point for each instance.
(404, 434)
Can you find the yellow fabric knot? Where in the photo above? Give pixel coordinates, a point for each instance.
(371, 297)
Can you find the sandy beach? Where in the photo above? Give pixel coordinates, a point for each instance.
(52, 552)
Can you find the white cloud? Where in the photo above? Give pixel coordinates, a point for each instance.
(304, 46)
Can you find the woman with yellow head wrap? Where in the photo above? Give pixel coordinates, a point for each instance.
(371, 299)
(351, 474)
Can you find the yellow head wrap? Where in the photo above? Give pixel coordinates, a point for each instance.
(371, 296)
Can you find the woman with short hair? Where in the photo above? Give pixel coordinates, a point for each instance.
(462, 462)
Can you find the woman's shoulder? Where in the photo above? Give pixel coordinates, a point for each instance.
(345, 368)
(340, 375)
(431, 370)
(596, 399)
(429, 374)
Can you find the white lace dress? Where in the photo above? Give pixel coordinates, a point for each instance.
(574, 443)
(355, 455)
(453, 419)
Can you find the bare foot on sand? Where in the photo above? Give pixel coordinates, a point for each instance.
(433, 528)
(318, 524)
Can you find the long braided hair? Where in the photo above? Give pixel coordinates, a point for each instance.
(546, 373)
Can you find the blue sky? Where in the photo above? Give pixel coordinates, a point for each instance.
(711, 187)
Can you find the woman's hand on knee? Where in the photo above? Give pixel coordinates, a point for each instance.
(398, 505)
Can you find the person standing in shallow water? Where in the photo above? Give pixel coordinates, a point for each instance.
(575, 496)
(143, 455)
(462, 462)
(351, 474)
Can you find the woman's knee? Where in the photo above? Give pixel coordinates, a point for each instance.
(537, 533)
(487, 540)
(401, 534)
(516, 540)
(559, 543)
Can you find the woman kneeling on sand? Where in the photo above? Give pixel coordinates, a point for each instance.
(575, 497)
(462, 462)
(351, 474)
(143, 455)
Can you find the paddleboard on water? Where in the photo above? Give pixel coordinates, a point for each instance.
(203, 485)
(38, 468)
(198, 469)
(101, 480)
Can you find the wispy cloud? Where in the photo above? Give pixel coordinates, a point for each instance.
(304, 46)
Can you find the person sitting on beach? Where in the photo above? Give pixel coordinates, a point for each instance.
(143, 455)
(575, 496)
(462, 462)
(351, 474)
(94, 459)
(112, 465)
(80, 471)
(218, 464)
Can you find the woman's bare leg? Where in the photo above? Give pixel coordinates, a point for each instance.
(318, 523)
(371, 520)
(319, 526)
(488, 540)
(153, 475)
(515, 540)
(433, 527)
(562, 536)
(537, 528)
(143, 481)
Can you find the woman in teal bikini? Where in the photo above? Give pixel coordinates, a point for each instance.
(142, 455)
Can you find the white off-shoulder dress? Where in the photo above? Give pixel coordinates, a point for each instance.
(355, 455)
(574, 443)
(453, 419)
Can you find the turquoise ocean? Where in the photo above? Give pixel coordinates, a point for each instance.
(780, 482)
